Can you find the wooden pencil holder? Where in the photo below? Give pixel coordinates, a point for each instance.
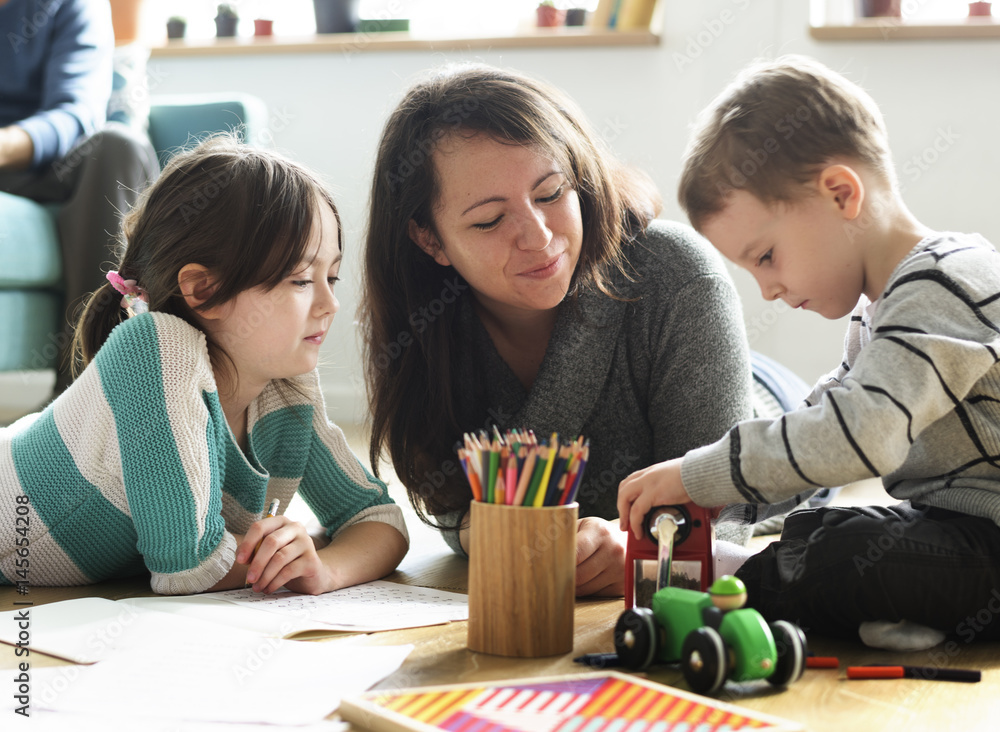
(522, 572)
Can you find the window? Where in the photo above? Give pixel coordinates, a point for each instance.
(428, 18)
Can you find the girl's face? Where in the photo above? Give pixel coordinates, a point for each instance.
(277, 333)
(508, 220)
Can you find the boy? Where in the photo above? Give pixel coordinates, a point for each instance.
(789, 175)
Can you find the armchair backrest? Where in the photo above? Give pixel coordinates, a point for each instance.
(179, 121)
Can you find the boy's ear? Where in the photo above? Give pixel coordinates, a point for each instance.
(197, 285)
(843, 186)
(427, 240)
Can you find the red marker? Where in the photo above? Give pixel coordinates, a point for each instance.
(930, 673)
(822, 662)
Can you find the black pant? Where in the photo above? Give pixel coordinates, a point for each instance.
(836, 567)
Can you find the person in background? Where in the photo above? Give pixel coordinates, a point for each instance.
(55, 147)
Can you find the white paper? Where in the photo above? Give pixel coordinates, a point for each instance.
(88, 629)
(265, 680)
(372, 606)
(208, 608)
(109, 721)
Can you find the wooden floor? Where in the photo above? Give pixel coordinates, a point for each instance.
(823, 700)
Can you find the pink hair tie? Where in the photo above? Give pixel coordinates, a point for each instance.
(134, 300)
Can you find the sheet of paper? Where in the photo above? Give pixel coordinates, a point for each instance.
(107, 721)
(373, 606)
(88, 629)
(206, 607)
(218, 679)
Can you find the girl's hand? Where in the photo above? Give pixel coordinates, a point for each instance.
(657, 485)
(286, 557)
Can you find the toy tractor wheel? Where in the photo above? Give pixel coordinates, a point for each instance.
(791, 644)
(703, 660)
(636, 638)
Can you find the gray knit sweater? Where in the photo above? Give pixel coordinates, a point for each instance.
(915, 401)
(644, 380)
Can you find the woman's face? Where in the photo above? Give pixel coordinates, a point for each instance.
(508, 220)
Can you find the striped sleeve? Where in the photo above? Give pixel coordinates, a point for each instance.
(157, 380)
(935, 336)
(335, 485)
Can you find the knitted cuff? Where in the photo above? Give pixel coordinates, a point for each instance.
(707, 475)
(200, 578)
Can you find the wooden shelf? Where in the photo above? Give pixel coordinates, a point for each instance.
(401, 41)
(894, 29)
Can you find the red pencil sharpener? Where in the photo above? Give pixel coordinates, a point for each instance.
(692, 560)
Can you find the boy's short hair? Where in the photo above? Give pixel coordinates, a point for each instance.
(775, 127)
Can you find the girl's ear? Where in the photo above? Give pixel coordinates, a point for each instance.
(842, 185)
(197, 285)
(427, 240)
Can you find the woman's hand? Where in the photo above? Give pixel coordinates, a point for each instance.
(657, 485)
(286, 557)
(600, 558)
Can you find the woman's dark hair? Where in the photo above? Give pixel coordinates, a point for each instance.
(243, 213)
(413, 404)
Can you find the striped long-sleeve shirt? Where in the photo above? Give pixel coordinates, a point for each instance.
(916, 400)
(134, 468)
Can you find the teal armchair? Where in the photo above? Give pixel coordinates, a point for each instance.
(30, 260)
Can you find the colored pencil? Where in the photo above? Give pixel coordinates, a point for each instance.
(513, 469)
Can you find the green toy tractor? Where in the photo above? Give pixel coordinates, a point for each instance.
(712, 637)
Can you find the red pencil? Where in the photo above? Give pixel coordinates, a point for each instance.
(930, 673)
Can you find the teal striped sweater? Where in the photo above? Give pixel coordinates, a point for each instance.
(134, 468)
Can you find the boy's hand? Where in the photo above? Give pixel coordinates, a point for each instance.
(657, 485)
(286, 557)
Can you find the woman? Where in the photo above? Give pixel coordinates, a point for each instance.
(514, 277)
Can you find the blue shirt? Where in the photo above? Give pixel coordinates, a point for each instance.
(55, 71)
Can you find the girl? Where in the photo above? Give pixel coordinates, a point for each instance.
(200, 403)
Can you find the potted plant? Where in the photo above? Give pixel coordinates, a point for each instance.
(548, 15)
(226, 20)
(881, 8)
(263, 27)
(336, 16)
(980, 9)
(176, 26)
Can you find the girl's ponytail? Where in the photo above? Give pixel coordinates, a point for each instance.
(101, 314)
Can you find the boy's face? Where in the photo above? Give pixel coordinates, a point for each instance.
(799, 252)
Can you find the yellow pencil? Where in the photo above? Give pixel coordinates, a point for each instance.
(543, 486)
(271, 512)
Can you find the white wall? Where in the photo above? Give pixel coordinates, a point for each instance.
(940, 100)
